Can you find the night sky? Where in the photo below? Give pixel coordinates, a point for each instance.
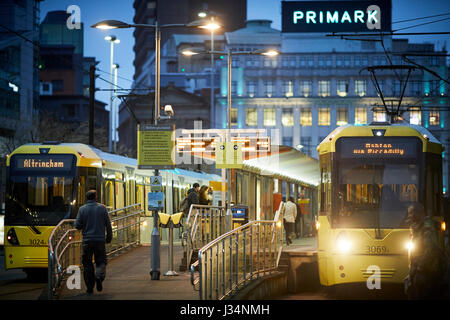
(95, 11)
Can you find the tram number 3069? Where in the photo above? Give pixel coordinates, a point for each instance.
(377, 249)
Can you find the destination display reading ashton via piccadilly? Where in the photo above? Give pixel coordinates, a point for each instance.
(377, 147)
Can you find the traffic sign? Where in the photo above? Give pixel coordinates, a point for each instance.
(156, 183)
(229, 155)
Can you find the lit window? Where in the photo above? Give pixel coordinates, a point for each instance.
(342, 116)
(415, 116)
(324, 116)
(379, 115)
(288, 88)
(342, 88)
(360, 87)
(360, 116)
(287, 118)
(324, 88)
(305, 88)
(434, 117)
(306, 117)
(268, 86)
(251, 88)
(269, 117)
(234, 116)
(251, 117)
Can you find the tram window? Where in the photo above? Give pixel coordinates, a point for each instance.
(109, 194)
(376, 195)
(47, 198)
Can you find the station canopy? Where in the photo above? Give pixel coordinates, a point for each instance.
(282, 162)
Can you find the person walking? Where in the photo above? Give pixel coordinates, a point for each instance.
(290, 213)
(93, 220)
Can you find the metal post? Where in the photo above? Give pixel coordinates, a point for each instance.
(91, 103)
(111, 111)
(212, 107)
(171, 272)
(229, 125)
(155, 259)
(115, 113)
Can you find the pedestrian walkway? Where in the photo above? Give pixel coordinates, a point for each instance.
(302, 245)
(128, 278)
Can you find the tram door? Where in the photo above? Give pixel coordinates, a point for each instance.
(120, 194)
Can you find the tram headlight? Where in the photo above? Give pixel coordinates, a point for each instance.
(343, 244)
(12, 237)
(410, 246)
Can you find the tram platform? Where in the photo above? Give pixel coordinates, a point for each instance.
(128, 278)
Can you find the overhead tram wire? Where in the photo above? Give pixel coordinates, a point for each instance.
(422, 24)
(421, 18)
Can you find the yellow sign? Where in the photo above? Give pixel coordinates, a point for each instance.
(155, 149)
(229, 155)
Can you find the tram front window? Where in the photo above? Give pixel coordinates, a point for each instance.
(39, 190)
(375, 195)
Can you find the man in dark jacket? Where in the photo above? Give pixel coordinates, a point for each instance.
(193, 195)
(93, 220)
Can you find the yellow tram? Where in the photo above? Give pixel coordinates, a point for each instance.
(369, 176)
(47, 183)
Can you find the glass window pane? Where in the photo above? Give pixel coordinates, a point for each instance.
(360, 116)
(306, 117)
(342, 116)
(324, 88)
(342, 88)
(415, 116)
(287, 118)
(269, 117)
(305, 88)
(324, 116)
(251, 117)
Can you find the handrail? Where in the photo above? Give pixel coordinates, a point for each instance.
(203, 224)
(237, 257)
(126, 233)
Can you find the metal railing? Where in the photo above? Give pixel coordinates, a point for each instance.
(237, 257)
(65, 243)
(204, 224)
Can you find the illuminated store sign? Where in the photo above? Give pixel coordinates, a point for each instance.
(337, 16)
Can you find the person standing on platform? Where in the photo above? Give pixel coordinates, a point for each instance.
(93, 220)
(203, 196)
(290, 213)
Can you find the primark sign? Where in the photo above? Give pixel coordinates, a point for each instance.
(336, 16)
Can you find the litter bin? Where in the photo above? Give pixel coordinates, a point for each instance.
(240, 215)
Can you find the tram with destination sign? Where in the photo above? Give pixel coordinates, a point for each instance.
(369, 176)
(48, 182)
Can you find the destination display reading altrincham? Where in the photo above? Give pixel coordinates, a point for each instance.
(42, 162)
(374, 147)
(336, 16)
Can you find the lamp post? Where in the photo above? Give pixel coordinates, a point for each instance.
(115, 111)
(230, 53)
(112, 40)
(115, 24)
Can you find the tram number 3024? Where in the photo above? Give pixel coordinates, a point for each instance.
(377, 249)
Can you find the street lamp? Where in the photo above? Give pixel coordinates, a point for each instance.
(115, 111)
(212, 25)
(115, 24)
(112, 40)
(230, 53)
